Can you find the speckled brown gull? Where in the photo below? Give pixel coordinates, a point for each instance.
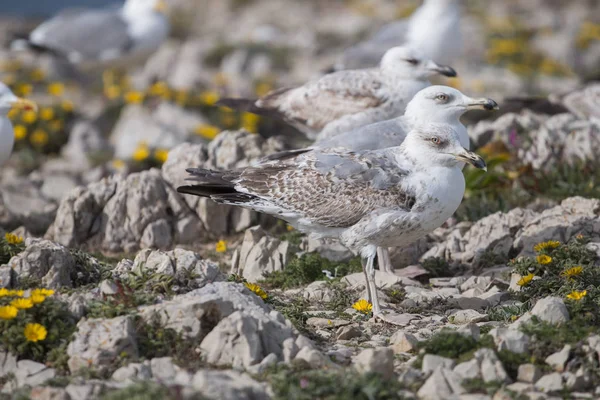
(346, 100)
(371, 199)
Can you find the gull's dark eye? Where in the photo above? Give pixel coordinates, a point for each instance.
(412, 61)
(442, 97)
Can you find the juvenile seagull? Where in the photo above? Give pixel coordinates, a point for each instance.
(432, 106)
(88, 38)
(380, 198)
(434, 28)
(345, 100)
(7, 135)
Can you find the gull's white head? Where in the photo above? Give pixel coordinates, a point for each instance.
(439, 146)
(8, 100)
(136, 7)
(443, 104)
(409, 63)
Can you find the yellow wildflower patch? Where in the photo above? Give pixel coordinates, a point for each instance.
(22, 304)
(363, 306)
(549, 245)
(160, 89)
(11, 238)
(15, 293)
(39, 138)
(67, 106)
(35, 332)
(250, 122)
(8, 312)
(572, 272)
(577, 295)
(209, 98)
(20, 132)
(37, 298)
(56, 89)
(141, 153)
(161, 155)
(543, 259)
(112, 92)
(221, 246)
(42, 292)
(47, 113)
(207, 131)
(254, 288)
(525, 280)
(134, 97)
(29, 117)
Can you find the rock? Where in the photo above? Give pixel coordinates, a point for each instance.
(228, 385)
(579, 381)
(478, 282)
(470, 303)
(108, 287)
(442, 384)
(466, 316)
(106, 215)
(551, 310)
(260, 253)
(48, 393)
(163, 369)
(289, 349)
(313, 357)
(325, 323)
(328, 248)
(99, 342)
(551, 383)
(56, 186)
(245, 329)
(267, 362)
(511, 340)
(8, 363)
(491, 368)
(319, 291)
(23, 204)
(379, 361)
(49, 262)
(403, 342)
(468, 369)
(529, 373)
(432, 362)
(347, 332)
(470, 330)
(559, 359)
(31, 373)
(382, 280)
(86, 141)
(132, 371)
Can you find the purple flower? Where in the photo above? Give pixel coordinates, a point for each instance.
(513, 138)
(303, 383)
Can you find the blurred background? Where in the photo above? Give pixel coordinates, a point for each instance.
(538, 59)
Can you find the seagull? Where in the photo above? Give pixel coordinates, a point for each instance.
(7, 135)
(380, 198)
(90, 38)
(434, 28)
(432, 106)
(345, 100)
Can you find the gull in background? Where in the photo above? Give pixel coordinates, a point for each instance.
(97, 38)
(346, 100)
(380, 198)
(431, 107)
(7, 135)
(434, 28)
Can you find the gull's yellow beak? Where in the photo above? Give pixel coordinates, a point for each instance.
(24, 104)
(160, 6)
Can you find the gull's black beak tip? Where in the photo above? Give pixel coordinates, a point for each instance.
(448, 71)
(490, 105)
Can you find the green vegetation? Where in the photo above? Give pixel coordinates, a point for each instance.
(143, 391)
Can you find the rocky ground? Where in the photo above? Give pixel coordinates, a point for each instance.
(127, 290)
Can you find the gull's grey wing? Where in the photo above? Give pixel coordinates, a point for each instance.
(333, 188)
(380, 135)
(81, 35)
(333, 96)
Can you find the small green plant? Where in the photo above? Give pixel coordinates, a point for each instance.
(437, 267)
(142, 391)
(125, 301)
(10, 246)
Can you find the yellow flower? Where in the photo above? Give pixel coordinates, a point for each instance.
(20, 132)
(39, 138)
(221, 246)
(15, 293)
(56, 125)
(289, 228)
(11, 238)
(181, 97)
(22, 304)
(209, 98)
(551, 244)
(37, 75)
(118, 164)
(112, 92)
(161, 155)
(254, 288)
(29, 117)
(56, 89)
(35, 332)
(67, 106)
(47, 113)
(575, 295)
(207, 131)
(363, 306)
(159, 89)
(42, 292)
(228, 118)
(262, 89)
(134, 97)
(250, 122)
(24, 89)
(572, 272)
(8, 312)
(37, 298)
(544, 259)
(525, 280)
(12, 113)
(141, 153)
(3, 292)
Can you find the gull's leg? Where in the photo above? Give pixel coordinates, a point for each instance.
(364, 267)
(372, 286)
(383, 260)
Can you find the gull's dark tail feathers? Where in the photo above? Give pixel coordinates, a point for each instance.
(216, 185)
